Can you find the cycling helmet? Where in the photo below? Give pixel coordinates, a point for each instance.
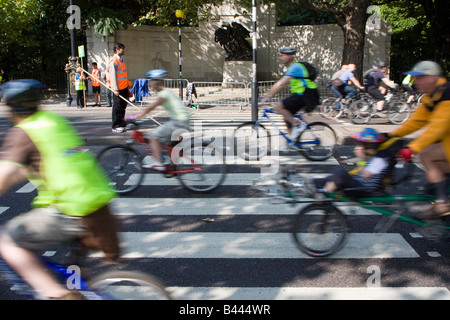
(288, 50)
(369, 136)
(156, 74)
(383, 64)
(22, 96)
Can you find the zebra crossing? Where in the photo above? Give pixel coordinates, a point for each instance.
(235, 244)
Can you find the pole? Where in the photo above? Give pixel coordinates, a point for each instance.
(73, 43)
(180, 84)
(255, 77)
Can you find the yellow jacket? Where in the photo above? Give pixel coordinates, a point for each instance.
(433, 114)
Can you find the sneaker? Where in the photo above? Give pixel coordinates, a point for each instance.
(118, 130)
(438, 210)
(297, 130)
(155, 165)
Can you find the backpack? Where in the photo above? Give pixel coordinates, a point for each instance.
(311, 71)
(368, 75)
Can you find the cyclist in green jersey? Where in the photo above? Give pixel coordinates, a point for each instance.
(304, 91)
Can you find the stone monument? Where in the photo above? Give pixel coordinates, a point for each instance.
(238, 63)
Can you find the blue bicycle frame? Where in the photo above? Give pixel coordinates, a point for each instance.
(265, 115)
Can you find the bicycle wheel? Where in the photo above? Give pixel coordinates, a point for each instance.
(252, 141)
(317, 142)
(319, 230)
(398, 112)
(127, 285)
(328, 108)
(200, 167)
(122, 165)
(360, 111)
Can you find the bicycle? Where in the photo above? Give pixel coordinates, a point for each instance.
(320, 228)
(333, 107)
(365, 108)
(109, 285)
(200, 167)
(317, 141)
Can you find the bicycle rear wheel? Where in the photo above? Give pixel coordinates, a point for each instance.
(127, 285)
(328, 108)
(398, 112)
(122, 165)
(317, 142)
(252, 141)
(200, 167)
(360, 111)
(319, 230)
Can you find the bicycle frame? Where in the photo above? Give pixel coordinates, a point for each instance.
(139, 137)
(63, 272)
(265, 115)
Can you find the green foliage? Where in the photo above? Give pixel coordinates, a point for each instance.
(106, 21)
(15, 17)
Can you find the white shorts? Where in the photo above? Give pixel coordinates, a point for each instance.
(169, 131)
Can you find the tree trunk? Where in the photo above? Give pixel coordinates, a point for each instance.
(352, 21)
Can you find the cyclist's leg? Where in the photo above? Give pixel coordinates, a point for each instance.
(437, 167)
(37, 229)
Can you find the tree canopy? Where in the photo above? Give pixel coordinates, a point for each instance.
(420, 27)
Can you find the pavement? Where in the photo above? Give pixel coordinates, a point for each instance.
(94, 123)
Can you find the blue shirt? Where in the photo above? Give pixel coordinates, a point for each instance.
(346, 76)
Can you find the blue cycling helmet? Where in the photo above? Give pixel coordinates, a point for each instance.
(156, 74)
(369, 136)
(22, 96)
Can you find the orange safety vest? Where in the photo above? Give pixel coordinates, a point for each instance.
(121, 73)
(95, 78)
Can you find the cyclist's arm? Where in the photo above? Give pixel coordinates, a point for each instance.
(159, 101)
(356, 83)
(276, 88)
(436, 129)
(389, 83)
(11, 173)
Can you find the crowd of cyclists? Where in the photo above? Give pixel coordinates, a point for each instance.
(73, 195)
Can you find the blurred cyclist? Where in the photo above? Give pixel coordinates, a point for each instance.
(179, 117)
(304, 91)
(433, 144)
(73, 191)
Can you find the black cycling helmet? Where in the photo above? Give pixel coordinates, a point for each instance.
(288, 50)
(383, 64)
(22, 96)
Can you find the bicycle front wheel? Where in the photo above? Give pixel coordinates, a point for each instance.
(319, 230)
(200, 167)
(360, 111)
(398, 112)
(318, 142)
(252, 141)
(127, 285)
(122, 165)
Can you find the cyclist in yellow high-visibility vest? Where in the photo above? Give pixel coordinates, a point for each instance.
(80, 87)
(73, 190)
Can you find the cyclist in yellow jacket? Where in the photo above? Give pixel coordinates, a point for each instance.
(73, 191)
(433, 145)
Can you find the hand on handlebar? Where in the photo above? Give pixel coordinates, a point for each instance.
(405, 154)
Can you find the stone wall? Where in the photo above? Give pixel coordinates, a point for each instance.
(150, 47)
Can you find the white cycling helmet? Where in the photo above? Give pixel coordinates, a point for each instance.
(156, 74)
